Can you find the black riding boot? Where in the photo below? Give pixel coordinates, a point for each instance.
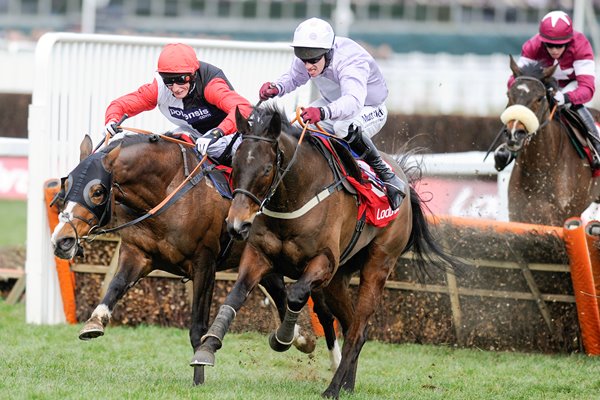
(366, 150)
(502, 157)
(592, 131)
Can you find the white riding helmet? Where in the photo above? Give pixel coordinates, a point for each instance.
(313, 38)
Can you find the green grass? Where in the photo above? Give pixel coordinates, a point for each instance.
(49, 362)
(13, 224)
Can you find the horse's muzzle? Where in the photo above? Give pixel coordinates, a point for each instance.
(239, 231)
(67, 248)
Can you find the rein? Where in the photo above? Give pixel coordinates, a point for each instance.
(319, 197)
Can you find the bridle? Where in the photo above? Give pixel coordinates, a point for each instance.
(277, 177)
(541, 112)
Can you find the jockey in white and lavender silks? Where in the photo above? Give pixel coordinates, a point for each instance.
(353, 93)
(558, 44)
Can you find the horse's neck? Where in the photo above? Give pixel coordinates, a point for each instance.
(550, 147)
(145, 174)
(308, 170)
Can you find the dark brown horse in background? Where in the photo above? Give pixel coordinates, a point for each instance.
(550, 180)
(274, 176)
(131, 176)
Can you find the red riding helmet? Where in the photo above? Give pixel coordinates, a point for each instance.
(556, 27)
(178, 58)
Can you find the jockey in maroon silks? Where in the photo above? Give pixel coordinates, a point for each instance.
(558, 43)
(195, 96)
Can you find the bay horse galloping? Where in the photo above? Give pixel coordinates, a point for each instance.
(297, 222)
(552, 179)
(187, 236)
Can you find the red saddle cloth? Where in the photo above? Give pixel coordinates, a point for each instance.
(371, 194)
(372, 199)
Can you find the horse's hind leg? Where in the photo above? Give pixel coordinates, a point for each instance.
(204, 283)
(327, 322)
(372, 281)
(133, 266)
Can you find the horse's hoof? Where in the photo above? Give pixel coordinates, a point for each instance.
(330, 394)
(90, 332)
(203, 357)
(305, 344)
(198, 375)
(276, 344)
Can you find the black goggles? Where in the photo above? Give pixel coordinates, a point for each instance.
(555, 46)
(311, 60)
(177, 79)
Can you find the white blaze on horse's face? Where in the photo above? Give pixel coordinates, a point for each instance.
(523, 88)
(250, 157)
(64, 218)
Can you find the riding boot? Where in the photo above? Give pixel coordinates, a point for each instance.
(366, 150)
(593, 135)
(502, 157)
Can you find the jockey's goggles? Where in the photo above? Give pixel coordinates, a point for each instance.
(554, 45)
(177, 79)
(312, 61)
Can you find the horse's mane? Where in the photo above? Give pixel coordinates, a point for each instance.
(536, 70)
(261, 117)
(126, 141)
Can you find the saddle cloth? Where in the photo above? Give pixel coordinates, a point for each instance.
(370, 191)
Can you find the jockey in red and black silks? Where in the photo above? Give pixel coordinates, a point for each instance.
(195, 96)
(557, 43)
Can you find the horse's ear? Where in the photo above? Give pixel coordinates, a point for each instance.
(109, 160)
(241, 122)
(548, 72)
(514, 67)
(275, 125)
(85, 148)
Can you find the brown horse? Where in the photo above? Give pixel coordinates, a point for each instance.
(274, 178)
(187, 237)
(550, 180)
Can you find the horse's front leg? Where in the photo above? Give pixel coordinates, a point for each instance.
(317, 272)
(253, 266)
(133, 266)
(204, 283)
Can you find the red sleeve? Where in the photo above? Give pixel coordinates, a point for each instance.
(217, 92)
(144, 99)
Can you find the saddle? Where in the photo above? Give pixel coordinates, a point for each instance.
(219, 174)
(576, 132)
(357, 178)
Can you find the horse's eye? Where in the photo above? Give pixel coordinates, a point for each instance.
(98, 192)
(268, 169)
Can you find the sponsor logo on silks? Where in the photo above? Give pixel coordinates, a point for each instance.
(190, 115)
(387, 213)
(378, 113)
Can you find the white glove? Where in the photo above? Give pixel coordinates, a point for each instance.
(112, 128)
(204, 141)
(559, 98)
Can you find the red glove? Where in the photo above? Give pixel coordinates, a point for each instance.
(311, 115)
(267, 90)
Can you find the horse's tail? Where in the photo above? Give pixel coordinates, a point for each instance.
(426, 251)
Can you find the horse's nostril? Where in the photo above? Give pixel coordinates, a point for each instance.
(66, 243)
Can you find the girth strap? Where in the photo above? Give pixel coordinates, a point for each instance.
(360, 224)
